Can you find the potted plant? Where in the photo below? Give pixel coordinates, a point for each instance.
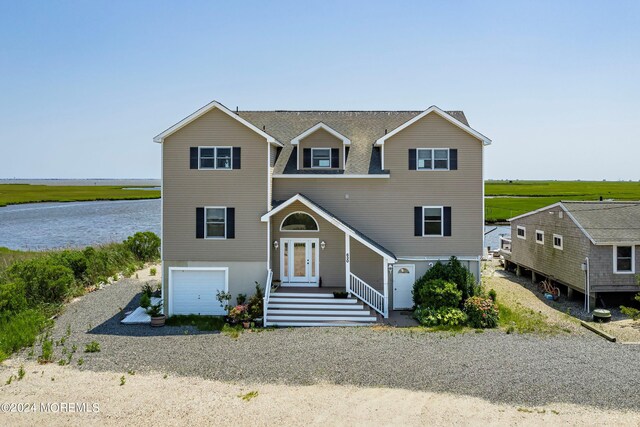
(240, 314)
(340, 294)
(157, 317)
(145, 301)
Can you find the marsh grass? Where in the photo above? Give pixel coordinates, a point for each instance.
(203, 323)
(517, 318)
(11, 194)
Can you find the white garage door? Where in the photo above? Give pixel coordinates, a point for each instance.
(193, 291)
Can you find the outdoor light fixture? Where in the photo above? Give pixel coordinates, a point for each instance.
(323, 245)
(390, 268)
(275, 245)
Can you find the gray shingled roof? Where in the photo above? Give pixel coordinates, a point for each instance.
(608, 222)
(363, 128)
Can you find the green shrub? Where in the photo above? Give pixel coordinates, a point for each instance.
(12, 298)
(444, 316)
(145, 301)
(144, 245)
(256, 303)
(493, 295)
(20, 330)
(436, 293)
(482, 312)
(44, 281)
(74, 260)
(152, 271)
(92, 347)
(452, 271)
(241, 299)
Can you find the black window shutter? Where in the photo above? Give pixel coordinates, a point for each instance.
(278, 151)
(412, 159)
(447, 221)
(453, 159)
(306, 157)
(418, 220)
(335, 157)
(199, 223)
(231, 223)
(193, 157)
(236, 158)
(346, 154)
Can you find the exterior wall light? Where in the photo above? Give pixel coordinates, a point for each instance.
(390, 268)
(275, 245)
(323, 245)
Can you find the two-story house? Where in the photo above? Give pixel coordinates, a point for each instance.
(318, 201)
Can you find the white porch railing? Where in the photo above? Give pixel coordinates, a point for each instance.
(366, 293)
(267, 295)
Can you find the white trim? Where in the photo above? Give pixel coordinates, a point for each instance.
(444, 115)
(312, 281)
(225, 222)
(215, 158)
(615, 260)
(337, 223)
(441, 222)
(326, 175)
(483, 185)
(385, 287)
(443, 258)
(537, 211)
(170, 287)
(344, 139)
(209, 107)
(541, 242)
(523, 228)
(561, 245)
(412, 268)
(433, 159)
(300, 231)
(347, 259)
(321, 167)
(382, 157)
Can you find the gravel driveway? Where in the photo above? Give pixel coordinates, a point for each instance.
(504, 368)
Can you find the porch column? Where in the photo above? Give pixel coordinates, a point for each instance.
(347, 262)
(385, 275)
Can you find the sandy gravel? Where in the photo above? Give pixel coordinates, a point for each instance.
(151, 399)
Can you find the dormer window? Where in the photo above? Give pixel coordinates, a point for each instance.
(320, 157)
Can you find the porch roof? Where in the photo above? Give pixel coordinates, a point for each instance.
(333, 219)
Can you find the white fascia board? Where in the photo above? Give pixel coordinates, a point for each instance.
(338, 224)
(444, 115)
(306, 133)
(331, 175)
(538, 211)
(202, 111)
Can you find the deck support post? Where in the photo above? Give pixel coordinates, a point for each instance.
(347, 262)
(518, 270)
(385, 275)
(534, 277)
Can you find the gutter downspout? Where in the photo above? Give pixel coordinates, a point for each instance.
(587, 286)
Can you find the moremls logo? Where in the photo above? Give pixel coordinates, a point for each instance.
(69, 407)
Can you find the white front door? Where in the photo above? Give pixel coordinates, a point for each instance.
(299, 262)
(404, 276)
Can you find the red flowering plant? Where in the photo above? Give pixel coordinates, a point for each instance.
(481, 312)
(239, 313)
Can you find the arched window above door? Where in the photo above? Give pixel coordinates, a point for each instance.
(299, 221)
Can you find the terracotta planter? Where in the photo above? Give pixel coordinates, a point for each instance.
(156, 322)
(246, 324)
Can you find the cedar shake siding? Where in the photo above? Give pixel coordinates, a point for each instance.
(383, 209)
(602, 277)
(185, 190)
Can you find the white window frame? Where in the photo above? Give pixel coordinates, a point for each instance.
(320, 167)
(541, 242)
(224, 237)
(300, 231)
(433, 159)
(633, 259)
(424, 229)
(561, 245)
(524, 230)
(215, 158)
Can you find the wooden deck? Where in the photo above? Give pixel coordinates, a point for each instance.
(309, 290)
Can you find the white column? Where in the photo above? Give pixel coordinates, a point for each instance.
(347, 261)
(385, 275)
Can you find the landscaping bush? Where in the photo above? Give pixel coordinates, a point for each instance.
(20, 330)
(44, 281)
(145, 301)
(12, 298)
(452, 271)
(436, 293)
(144, 245)
(256, 303)
(482, 312)
(75, 260)
(444, 316)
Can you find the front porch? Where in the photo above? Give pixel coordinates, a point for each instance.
(312, 254)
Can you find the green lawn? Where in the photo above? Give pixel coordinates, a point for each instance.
(11, 194)
(526, 196)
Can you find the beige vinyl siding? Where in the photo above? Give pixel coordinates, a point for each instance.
(367, 265)
(320, 139)
(186, 189)
(601, 273)
(332, 258)
(563, 264)
(383, 209)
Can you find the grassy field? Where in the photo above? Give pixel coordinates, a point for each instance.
(506, 199)
(11, 194)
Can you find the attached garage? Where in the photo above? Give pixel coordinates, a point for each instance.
(193, 290)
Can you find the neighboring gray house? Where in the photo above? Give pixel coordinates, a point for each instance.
(587, 246)
(321, 201)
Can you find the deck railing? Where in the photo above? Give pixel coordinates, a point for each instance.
(267, 295)
(366, 293)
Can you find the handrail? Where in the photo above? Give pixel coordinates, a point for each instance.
(366, 293)
(267, 295)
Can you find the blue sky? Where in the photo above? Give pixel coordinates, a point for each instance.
(86, 85)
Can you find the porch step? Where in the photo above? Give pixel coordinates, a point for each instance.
(313, 300)
(316, 309)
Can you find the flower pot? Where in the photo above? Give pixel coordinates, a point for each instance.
(246, 324)
(158, 321)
